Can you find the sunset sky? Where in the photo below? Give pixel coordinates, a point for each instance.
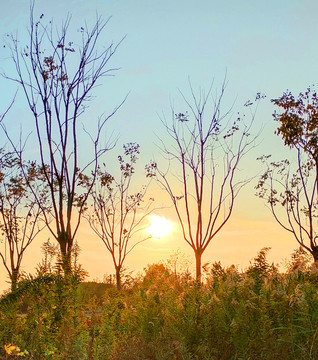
(261, 46)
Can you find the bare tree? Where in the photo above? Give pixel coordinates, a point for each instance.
(58, 76)
(118, 213)
(204, 151)
(291, 187)
(19, 212)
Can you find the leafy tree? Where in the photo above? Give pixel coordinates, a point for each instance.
(205, 152)
(117, 213)
(19, 212)
(57, 76)
(291, 187)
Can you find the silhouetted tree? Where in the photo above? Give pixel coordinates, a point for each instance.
(19, 212)
(291, 187)
(205, 149)
(58, 76)
(117, 212)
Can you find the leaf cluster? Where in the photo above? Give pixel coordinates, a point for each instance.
(298, 120)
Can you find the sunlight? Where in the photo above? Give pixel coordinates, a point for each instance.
(160, 227)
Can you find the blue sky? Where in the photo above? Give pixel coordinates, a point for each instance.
(263, 46)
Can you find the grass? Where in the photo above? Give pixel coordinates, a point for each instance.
(257, 314)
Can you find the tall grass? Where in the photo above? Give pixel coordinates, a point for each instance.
(256, 314)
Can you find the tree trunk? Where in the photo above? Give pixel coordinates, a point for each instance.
(14, 279)
(198, 255)
(314, 253)
(118, 277)
(65, 243)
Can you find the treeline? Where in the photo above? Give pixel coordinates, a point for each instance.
(256, 314)
(62, 186)
(58, 189)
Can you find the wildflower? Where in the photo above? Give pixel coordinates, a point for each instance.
(14, 350)
(9, 349)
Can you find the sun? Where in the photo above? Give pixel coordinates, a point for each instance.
(160, 227)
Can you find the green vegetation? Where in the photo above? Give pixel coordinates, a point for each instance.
(257, 314)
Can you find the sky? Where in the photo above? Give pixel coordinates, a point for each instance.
(261, 46)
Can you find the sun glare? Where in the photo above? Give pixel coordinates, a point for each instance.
(160, 227)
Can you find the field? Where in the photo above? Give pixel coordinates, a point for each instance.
(257, 314)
